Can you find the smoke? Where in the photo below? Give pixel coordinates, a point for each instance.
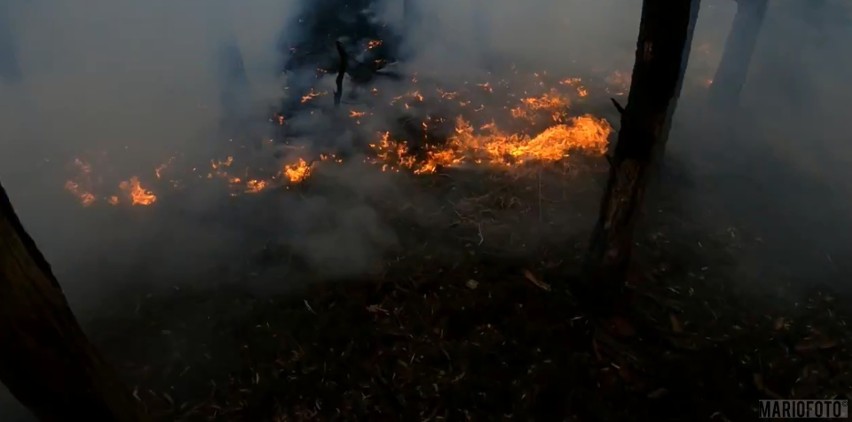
(145, 80)
(774, 169)
(157, 78)
(140, 82)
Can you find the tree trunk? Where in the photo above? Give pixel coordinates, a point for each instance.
(661, 57)
(46, 360)
(687, 51)
(739, 48)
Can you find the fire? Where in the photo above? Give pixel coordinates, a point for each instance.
(507, 131)
(83, 178)
(138, 194)
(297, 172)
(311, 95)
(373, 44)
(86, 198)
(256, 185)
(577, 84)
(551, 101)
(489, 144)
(492, 146)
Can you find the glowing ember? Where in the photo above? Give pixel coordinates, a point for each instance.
(577, 84)
(619, 83)
(138, 194)
(373, 44)
(86, 198)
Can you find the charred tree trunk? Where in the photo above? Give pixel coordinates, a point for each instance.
(661, 56)
(687, 51)
(341, 72)
(739, 48)
(46, 360)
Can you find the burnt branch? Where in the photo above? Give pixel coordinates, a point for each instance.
(341, 72)
(617, 106)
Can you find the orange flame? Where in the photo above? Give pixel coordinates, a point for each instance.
(138, 194)
(297, 172)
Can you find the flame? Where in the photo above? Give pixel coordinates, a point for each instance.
(551, 101)
(491, 145)
(138, 194)
(86, 198)
(256, 185)
(577, 84)
(311, 95)
(536, 128)
(297, 172)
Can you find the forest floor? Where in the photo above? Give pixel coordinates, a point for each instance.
(456, 324)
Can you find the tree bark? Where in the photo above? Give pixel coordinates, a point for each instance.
(736, 59)
(46, 361)
(687, 51)
(661, 57)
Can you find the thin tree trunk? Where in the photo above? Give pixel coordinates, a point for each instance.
(661, 56)
(736, 59)
(46, 361)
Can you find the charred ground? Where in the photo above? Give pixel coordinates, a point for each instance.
(471, 317)
(469, 314)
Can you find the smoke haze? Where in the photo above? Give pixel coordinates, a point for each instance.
(143, 77)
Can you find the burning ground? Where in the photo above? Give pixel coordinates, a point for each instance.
(465, 312)
(407, 255)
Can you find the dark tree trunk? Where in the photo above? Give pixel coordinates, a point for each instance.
(739, 48)
(687, 51)
(661, 57)
(46, 360)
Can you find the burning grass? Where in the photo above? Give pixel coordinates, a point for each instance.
(493, 127)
